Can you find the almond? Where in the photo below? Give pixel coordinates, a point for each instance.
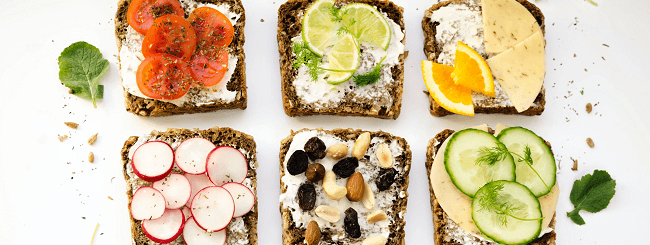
(361, 145)
(368, 198)
(376, 216)
(333, 191)
(384, 156)
(375, 240)
(337, 151)
(312, 234)
(328, 213)
(355, 187)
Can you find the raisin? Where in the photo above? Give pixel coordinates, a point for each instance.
(345, 167)
(315, 172)
(351, 223)
(298, 162)
(386, 178)
(307, 196)
(315, 148)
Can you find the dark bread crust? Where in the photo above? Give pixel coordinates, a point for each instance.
(290, 24)
(440, 216)
(156, 108)
(432, 50)
(218, 136)
(295, 235)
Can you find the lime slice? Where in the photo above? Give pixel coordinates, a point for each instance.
(344, 57)
(366, 24)
(318, 27)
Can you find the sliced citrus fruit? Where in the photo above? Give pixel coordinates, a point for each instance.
(366, 24)
(454, 98)
(471, 71)
(343, 60)
(319, 28)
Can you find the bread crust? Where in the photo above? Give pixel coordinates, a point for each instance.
(295, 235)
(218, 136)
(157, 108)
(432, 50)
(290, 24)
(440, 217)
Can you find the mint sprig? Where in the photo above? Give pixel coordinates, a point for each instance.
(81, 67)
(591, 193)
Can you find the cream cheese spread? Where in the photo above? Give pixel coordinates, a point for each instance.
(320, 94)
(131, 57)
(383, 200)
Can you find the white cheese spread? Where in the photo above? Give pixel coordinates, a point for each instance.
(131, 57)
(384, 200)
(320, 94)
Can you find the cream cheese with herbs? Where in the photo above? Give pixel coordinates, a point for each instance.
(131, 57)
(320, 94)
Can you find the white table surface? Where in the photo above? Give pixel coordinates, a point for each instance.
(49, 193)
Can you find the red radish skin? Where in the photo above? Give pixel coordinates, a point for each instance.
(194, 235)
(186, 212)
(192, 154)
(213, 208)
(243, 197)
(197, 183)
(166, 228)
(152, 161)
(175, 188)
(147, 203)
(226, 164)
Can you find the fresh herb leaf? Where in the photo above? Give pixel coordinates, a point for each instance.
(370, 77)
(582, 92)
(592, 2)
(81, 67)
(591, 193)
(304, 56)
(490, 200)
(334, 11)
(491, 156)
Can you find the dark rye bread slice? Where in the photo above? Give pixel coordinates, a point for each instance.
(218, 136)
(440, 230)
(432, 50)
(157, 108)
(290, 24)
(296, 235)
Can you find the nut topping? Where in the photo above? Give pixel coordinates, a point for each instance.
(377, 216)
(315, 172)
(312, 234)
(333, 191)
(368, 198)
(338, 151)
(328, 213)
(375, 240)
(384, 156)
(355, 187)
(361, 145)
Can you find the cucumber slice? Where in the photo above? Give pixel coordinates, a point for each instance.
(516, 139)
(507, 212)
(460, 161)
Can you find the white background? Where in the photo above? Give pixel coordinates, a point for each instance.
(49, 193)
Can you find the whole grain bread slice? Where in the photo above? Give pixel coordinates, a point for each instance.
(220, 137)
(290, 24)
(146, 107)
(432, 50)
(296, 235)
(441, 229)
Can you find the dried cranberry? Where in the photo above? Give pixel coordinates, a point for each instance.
(307, 196)
(345, 167)
(298, 162)
(386, 178)
(351, 222)
(315, 148)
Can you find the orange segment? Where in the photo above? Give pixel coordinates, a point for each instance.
(471, 71)
(454, 98)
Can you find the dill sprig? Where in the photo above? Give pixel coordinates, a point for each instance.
(491, 156)
(490, 200)
(304, 56)
(370, 77)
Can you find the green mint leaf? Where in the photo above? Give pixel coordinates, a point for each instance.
(591, 193)
(81, 67)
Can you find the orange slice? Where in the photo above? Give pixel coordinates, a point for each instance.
(471, 71)
(454, 98)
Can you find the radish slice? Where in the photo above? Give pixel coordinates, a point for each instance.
(186, 212)
(194, 235)
(147, 203)
(197, 182)
(226, 164)
(191, 154)
(213, 208)
(176, 189)
(152, 161)
(243, 197)
(166, 228)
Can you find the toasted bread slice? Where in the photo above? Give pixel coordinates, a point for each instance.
(333, 233)
(241, 230)
(289, 26)
(486, 105)
(147, 107)
(445, 230)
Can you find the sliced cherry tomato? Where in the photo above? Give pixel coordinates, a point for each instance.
(142, 13)
(212, 27)
(170, 34)
(208, 68)
(163, 76)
